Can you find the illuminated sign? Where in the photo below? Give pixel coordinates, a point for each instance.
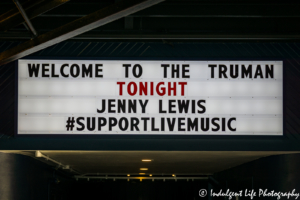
(150, 97)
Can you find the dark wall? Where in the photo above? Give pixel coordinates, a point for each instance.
(23, 178)
(136, 190)
(288, 52)
(278, 173)
(7, 100)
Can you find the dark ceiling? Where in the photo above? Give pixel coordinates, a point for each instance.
(162, 162)
(171, 19)
(43, 23)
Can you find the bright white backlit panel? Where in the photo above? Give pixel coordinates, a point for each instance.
(150, 97)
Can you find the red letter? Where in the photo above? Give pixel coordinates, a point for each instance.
(143, 88)
(182, 87)
(134, 88)
(163, 89)
(171, 88)
(121, 88)
(151, 88)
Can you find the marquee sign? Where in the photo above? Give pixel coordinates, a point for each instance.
(150, 97)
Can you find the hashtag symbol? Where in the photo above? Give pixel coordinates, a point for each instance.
(70, 124)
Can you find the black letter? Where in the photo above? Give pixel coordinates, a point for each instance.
(223, 124)
(97, 70)
(171, 124)
(62, 70)
(126, 124)
(160, 107)
(143, 105)
(111, 105)
(212, 70)
(171, 106)
(140, 71)
(201, 106)
(89, 127)
(175, 71)
(87, 71)
(203, 128)
(79, 123)
(183, 104)
(103, 107)
(269, 72)
(246, 72)
(112, 122)
(72, 70)
(235, 70)
(33, 69)
(126, 69)
(53, 71)
(215, 124)
(153, 125)
(222, 71)
(229, 124)
(44, 70)
(165, 69)
(258, 72)
(145, 122)
(162, 124)
(193, 106)
(134, 124)
(131, 106)
(184, 70)
(180, 123)
(192, 124)
(101, 122)
(121, 105)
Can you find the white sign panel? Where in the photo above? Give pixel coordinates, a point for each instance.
(150, 97)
